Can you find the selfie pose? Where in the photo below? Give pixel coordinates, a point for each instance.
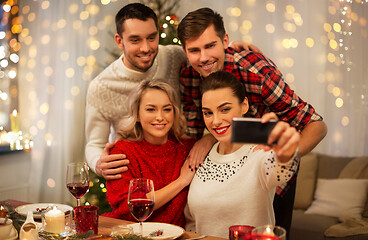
(236, 183)
(205, 42)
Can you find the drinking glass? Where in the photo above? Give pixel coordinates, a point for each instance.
(77, 179)
(268, 232)
(141, 199)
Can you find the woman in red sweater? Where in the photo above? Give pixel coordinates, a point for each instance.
(151, 143)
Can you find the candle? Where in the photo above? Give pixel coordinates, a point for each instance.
(236, 235)
(268, 232)
(14, 121)
(239, 232)
(55, 221)
(2, 212)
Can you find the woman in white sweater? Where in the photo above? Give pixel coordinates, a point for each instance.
(236, 183)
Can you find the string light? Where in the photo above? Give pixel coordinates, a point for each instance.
(10, 28)
(168, 30)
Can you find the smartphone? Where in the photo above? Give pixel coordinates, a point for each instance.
(251, 130)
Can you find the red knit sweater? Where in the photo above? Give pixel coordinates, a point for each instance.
(162, 164)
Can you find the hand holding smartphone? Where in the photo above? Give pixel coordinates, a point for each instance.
(251, 130)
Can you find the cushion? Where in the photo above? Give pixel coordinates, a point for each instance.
(348, 227)
(330, 166)
(339, 197)
(357, 168)
(306, 181)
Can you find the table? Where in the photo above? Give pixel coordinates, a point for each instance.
(105, 224)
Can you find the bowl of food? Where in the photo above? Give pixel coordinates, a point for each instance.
(5, 228)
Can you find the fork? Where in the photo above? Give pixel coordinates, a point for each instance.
(195, 238)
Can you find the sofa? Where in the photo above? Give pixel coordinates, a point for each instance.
(331, 199)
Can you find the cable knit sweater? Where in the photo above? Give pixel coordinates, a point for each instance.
(162, 164)
(235, 189)
(108, 93)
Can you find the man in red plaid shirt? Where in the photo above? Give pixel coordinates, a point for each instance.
(205, 43)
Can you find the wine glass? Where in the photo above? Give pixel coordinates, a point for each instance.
(141, 199)
(77, 179)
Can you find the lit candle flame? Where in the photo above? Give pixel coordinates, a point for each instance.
(236, 234)
(269, 231)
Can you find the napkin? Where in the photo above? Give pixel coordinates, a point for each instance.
(29, 230)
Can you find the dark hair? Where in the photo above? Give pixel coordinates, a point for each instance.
(135, 11)
(222, 79)
(196, 22)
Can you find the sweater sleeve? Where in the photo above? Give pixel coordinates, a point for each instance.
(117, 191)
(97, 133)
(279, 97)
(275, 173)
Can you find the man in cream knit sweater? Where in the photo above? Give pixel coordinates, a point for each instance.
(142, 58)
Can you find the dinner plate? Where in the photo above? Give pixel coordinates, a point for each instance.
(169, 231)
(23, 210)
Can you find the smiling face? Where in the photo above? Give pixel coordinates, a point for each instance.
(139, 42)
(206, 53)
(156, 116)
(219, 107)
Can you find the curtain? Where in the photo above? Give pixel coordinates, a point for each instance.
(319, 46)
(63, 47)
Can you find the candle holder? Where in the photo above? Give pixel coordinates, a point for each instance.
(240, 232)
(86, 218)
(57, 222)
(269, 232)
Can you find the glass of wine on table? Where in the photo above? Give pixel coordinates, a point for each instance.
(77, 179)
(141, 199)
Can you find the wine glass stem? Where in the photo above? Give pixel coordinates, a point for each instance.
(141, 228)
(78, 202)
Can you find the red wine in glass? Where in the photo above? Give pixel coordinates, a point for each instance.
(78, 189)
(141, 199)
(77, 179)
(141, 209)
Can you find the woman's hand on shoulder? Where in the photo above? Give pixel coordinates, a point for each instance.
(186, 174)
(199, 151)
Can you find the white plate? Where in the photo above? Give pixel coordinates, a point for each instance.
(23, 210)
(169, 231)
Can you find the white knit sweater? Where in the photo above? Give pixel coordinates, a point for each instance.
(108, 93)
(235, 189)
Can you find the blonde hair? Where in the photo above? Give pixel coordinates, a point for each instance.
(133, 130)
